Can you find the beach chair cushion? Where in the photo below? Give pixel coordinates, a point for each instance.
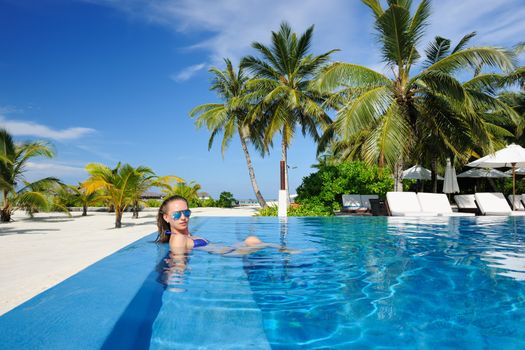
(465, 201)
(437, 202)
(405, 204)
(517, 202)
(352, 201)
(494, 203)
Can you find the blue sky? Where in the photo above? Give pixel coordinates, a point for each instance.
(113, 80)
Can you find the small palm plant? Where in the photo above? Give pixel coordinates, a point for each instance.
(144, 179)
(189, 191)
(14, 159)
(116, 184)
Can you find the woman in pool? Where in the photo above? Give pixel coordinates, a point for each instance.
(172, 223)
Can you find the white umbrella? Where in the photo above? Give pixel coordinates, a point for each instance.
(488, 173)
(511, 156)
(518, 171)
(450, 185)
(417, 172)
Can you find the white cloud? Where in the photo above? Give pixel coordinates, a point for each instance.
(231, 26)
(496, 22)
(227, 28)
(187, 72)
(39, 170)
(27, 128)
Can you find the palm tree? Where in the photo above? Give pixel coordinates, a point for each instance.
(144, 179)
(229, 117)
(79, 196)
(392, 109)
(117, 184)
(189, 191)
(282, 88)
(13, 162)
(516, 100)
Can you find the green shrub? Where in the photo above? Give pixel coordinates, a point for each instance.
(226, 200)
(326, 187)
(270, 210)
(153, 203)
(208, 202)
(308, 208)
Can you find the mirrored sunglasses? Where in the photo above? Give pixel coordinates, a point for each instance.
(177, 214)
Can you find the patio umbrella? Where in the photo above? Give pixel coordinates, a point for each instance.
(486, 173)
(511, 156)
(450, 185)
(417, 172)
(518, 171)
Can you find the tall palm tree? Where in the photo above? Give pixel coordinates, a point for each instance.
(392, 108)
(16, 192)
(117, 184)
(229, 117)
(282, 88)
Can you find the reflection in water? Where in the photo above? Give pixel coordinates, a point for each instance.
(175, 265)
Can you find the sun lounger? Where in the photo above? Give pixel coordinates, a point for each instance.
(405, 204)
(352, 202)
(494, 203)
(466, 203)
(365, 200)
(357, 203)
(437, 202)
(517, 202)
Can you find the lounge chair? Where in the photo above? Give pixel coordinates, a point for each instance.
(466, 203)
(405, 204)
(365, 200)
(437, 202)
(517, 202)
(494, 203)
(352, 203)
(358, 203)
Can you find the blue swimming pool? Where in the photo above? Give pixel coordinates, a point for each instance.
(359, 283)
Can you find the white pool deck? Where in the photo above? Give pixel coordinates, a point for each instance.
(38, 253)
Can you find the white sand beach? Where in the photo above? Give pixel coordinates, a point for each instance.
(41, 252)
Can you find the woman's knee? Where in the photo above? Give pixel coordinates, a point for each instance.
(252, 241)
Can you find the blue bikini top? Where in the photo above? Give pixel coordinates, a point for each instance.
(197, 242)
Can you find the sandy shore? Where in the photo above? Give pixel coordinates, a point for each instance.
(38, 253)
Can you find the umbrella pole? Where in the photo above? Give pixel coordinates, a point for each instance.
(513, 186)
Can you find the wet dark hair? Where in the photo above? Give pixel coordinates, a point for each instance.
(162, 225)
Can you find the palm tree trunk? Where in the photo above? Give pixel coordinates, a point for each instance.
(398, 175)
(135, 210)
(433, 176)
(5, 213)
(84, 210)
(251, 171)
(118, 217)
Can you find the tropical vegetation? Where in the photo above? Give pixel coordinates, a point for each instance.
(230, 117)
(17, 193)
(281, 91)
(190, 191)
(394, 119)
(123, 185)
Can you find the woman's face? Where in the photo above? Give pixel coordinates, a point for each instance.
(180, 224)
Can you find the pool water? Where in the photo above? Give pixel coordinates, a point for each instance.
(357, 283)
